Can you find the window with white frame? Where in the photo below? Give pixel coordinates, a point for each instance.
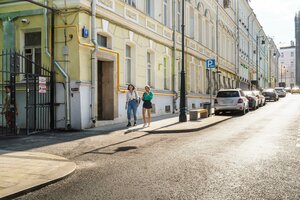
(179, 74)
(200, 31)
(131, 2)
(178, 15)
(165, 74)
(193, 78)
(207, 33)
(149, 69)
(150, 8)
(33, 52)
(191, 23)
(292, 54)
(165, 13)
(128, 64)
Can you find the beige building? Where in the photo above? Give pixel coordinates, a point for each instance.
(103, 45)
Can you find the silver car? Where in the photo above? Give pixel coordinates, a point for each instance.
(231, 100)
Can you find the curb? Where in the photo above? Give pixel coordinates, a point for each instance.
(188, 130)
(37, 187)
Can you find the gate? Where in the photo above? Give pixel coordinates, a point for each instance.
(25, 94)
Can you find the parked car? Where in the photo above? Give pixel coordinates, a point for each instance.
(261, 98)
(270, 94)
(253, 100)
(288, 89)
(295, 90)
(280, 91)
(231, 100)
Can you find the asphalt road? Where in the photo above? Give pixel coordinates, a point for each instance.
(255, 156)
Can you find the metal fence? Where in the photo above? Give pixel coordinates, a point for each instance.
(25, 94)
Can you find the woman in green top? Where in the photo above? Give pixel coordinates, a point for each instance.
(147, 105)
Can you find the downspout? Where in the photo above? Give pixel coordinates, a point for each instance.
(60, 69)
(174, 59)
(94, 64)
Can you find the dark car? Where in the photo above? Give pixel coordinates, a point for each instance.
(253, 100)
(270, 95)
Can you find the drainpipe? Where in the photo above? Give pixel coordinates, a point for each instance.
(174, 58)
(60, 69)
(94, 64)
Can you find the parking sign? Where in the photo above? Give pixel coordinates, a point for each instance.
(210, 63)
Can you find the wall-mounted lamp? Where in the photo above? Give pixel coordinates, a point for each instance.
(25, 21)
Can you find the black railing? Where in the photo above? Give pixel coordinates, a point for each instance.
(25, 94)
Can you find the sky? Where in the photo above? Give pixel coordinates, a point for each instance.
(277, 18)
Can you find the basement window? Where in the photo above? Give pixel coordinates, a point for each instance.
(168, 109)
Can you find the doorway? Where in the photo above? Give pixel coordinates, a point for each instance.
(105, 90)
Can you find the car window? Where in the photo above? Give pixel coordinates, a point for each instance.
(228, 94)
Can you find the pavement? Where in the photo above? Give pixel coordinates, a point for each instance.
(21, 172)
(23, 168)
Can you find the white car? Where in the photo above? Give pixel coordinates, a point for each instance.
(231, 100)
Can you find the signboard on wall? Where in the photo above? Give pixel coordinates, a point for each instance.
(42, 85)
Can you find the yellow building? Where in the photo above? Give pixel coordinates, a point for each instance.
(99, 51)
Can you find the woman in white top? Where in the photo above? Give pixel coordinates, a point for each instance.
(132, 102)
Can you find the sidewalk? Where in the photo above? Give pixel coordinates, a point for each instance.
(172, 125)
(23, 171)
(164, 124)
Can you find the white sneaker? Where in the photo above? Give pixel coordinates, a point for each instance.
(145, 125)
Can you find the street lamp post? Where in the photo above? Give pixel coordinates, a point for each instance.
(286, 71)
(182, 115)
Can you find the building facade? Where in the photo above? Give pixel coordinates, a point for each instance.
(103, 45)
(297, 36)
(287, 65)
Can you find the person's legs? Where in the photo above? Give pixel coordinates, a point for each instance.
(149, 116)
(129, 113)
(134, 108)
(144, 116)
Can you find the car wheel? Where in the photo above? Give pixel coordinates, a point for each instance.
(217, 112)
(243, 112)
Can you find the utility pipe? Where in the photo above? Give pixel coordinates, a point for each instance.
(94, 63)
(60, 69)
(174, 56)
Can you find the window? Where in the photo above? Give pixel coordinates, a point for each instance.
(128, 63)
(33, 52)
(102, 40)
(150, 8)
(282, 55)
(165, 13)
(131, 2)
(165, 74)
(193, 78)
(192, 23)
(179, 75)
(207, 28)
(200, 28)
(292, 54)
(178, 16)
(149, 69)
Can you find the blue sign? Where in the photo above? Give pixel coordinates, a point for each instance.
(85, 32)
(210, 63)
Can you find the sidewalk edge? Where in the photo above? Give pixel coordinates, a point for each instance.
(188, 130)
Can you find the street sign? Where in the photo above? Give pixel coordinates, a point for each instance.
(42, 85)
(210, 63)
